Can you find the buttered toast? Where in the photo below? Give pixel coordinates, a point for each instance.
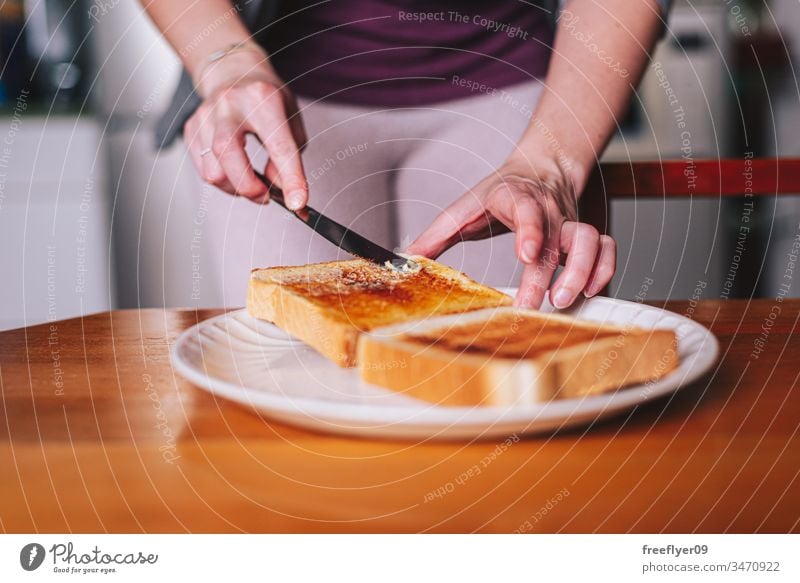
(505, 356)
(328, 305)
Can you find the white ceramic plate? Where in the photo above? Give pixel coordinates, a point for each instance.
(255, 364)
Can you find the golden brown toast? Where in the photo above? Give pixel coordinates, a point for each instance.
(327, 305)
(505, 356)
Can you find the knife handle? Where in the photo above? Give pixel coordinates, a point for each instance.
(305, 214)
(336, 233)
(275, 193)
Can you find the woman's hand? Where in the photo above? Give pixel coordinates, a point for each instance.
(580, 105)
(243, 95)
(540, 207)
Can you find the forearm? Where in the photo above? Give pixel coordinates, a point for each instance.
(599, 55)
(242, 95)
(198, 28)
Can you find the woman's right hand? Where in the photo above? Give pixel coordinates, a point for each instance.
(243, 95)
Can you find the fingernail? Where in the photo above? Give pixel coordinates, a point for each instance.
(294, 200)
(528, 251)
(562, 298)
(524, 300)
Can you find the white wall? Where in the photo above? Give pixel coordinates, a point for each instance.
(54, 220)
(667, 246)
(786, 128)
(156, 196)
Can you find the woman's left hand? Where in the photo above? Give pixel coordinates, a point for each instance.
(540, 207)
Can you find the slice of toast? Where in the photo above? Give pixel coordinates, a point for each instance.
(506, 356)
(327, 305)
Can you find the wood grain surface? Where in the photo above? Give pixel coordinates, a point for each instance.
(100, 435)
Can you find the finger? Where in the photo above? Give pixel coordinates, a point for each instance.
(271, 172)
(285, 154)
(298, 129)
(604, 267)
(522, 214)
(228, 148)
(295, 120)
(538, 274)
(466, 218)
(437, 238)
(536, 278)
(206, 162)
(581, 243)
(271, 175)
(194, 144)
(269, 122)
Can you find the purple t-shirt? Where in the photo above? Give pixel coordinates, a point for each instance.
(400, 53)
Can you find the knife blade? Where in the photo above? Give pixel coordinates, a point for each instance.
(344, 238)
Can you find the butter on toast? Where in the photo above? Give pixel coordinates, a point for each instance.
(327, 305)
(504, 356)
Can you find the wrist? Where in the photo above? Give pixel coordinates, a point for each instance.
(231, 69)
(546, 165)
(553, 148)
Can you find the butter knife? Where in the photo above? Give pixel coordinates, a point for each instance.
(338, 234)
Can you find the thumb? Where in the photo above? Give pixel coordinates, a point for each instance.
(436, 239)
(429, 244)
(447, 229)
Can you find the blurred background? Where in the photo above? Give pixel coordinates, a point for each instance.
(93, 217)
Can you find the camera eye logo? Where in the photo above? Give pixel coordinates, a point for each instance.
(31, 556)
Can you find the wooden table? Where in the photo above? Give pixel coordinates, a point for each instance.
(99, 434)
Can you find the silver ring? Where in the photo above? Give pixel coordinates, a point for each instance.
(206, 151)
